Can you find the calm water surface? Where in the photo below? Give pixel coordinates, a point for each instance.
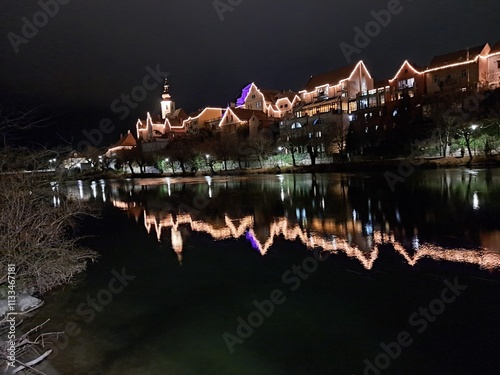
(351, 265)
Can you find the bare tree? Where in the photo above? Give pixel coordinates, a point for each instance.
(262, 145)
(39, 226)
(291, 140)
(335, 134)
(39, 230)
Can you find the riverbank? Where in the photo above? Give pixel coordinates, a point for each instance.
(343, 167)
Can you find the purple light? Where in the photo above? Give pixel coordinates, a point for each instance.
(244, 94)
(255, 243)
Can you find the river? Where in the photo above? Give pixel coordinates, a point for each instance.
(286, 274)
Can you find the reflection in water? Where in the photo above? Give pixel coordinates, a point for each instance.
(237, 228)
(440, 215)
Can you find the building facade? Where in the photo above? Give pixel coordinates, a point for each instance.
(457, 71)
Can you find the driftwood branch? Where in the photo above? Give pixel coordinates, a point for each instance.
(32, 363)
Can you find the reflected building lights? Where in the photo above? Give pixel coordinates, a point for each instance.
(475, 201)
(236, 228)
(93, 187)
(177, 243)
(169, 187)
(415, 243)
(103, 191)
(80, 188)
(209, 182)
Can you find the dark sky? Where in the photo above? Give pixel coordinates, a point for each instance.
(90, 52)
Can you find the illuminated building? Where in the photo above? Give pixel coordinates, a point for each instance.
(457, 71)
(330, 92)
(324, 106)
(392, 104)
(164, 127)
(208, 118)
(275, 103)
(410, 81)
(126, 142)
(491, 77)
(239, 118)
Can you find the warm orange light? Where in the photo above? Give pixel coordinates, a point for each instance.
(358, 65)
(229, 109)
(201, 114)
(406, 63)
(454, 65)
(482, 257)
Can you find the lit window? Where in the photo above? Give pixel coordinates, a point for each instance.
(406, 83)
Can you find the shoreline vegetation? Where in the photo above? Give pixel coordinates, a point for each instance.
(40, 251)
(336, 167)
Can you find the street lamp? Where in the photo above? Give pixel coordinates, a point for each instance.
(474, 127)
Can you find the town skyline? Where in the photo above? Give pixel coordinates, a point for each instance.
(79, 71)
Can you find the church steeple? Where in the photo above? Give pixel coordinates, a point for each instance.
(166, 89)
(167, 105)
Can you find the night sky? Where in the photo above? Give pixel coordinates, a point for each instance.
(90, 52)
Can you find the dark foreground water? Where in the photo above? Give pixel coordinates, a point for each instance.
(324, 274)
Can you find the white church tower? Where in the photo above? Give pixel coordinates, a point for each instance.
(167, 105)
